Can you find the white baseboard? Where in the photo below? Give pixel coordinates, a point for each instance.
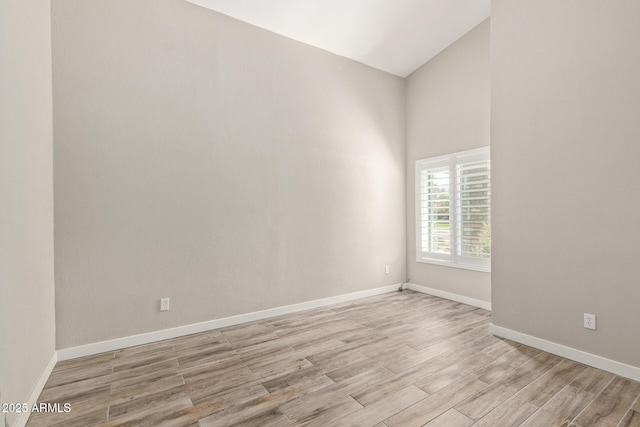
(130, 341)
(22, 419)
(590, 359)
(450, 296)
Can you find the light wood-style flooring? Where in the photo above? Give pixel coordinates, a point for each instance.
(398, 359)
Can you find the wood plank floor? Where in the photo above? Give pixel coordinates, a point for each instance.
(398, 359)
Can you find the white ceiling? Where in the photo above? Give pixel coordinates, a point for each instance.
(396, 36)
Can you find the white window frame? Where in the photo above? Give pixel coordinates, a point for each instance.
(453, 259)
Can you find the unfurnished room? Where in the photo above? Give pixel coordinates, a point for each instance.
(365, 213)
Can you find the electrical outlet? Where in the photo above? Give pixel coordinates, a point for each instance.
(164, 304)
(590, 321)
(386, 269)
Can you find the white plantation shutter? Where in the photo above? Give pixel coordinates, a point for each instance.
(435, 211)
(473, 209)
(453, 210)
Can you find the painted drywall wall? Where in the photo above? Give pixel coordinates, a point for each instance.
(448, 111)
(203, 159)
(565, 102)
(27, 316)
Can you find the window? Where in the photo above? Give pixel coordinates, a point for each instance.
(453, 210)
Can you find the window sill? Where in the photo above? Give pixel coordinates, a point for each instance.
(481, 268)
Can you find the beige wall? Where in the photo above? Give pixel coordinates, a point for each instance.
(448, 111)
(228, 168)
(27, 318)
(565, 98)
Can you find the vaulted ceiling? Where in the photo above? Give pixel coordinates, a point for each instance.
(396, 36)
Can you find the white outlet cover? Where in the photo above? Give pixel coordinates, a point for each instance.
(590, 321)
